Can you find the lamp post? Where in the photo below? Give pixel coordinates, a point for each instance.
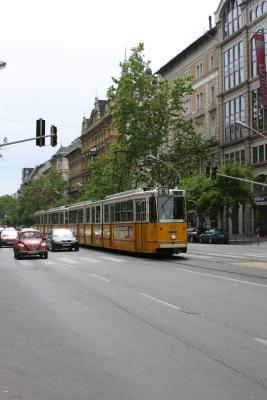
(243, 125)
(151, 157)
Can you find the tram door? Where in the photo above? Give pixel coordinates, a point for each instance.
(140, 225)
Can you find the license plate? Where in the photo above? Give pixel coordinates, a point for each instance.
(66, 244)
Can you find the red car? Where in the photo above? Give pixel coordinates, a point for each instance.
(30, 242)
(8, 236)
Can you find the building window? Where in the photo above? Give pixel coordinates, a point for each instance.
(259, 119)
(252, 15)
(187, 107)
(264, 7)
(234, 110)
(211, 62)
(199, 71)
(258, 11)
(200, 126)
(231, 18)
(253, 62)
(233, 66)
(236, 156)
(212, 124)
(212, 94)
(199, 104)
(255, 155)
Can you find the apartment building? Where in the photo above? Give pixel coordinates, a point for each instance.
(223, 67)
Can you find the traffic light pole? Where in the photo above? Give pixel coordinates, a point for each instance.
(21, 141)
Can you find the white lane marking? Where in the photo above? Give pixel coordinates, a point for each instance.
(112, 259)
(89, 259)
(194, 255)
(144, 262)
(100, 277)
(69, 261)
(220, 277)
(48, 262)
(259, 340)
(160, 301)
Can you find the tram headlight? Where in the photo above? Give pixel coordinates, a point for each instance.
(173, 236)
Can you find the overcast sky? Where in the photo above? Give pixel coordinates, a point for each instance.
(61, 54)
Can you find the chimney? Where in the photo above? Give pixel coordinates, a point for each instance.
(210, 22)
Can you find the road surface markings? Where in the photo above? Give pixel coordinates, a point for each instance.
(160, 301)
(259, 340)
(252, 264)
(244, 255)
(112, 259)
(100, 277)
(89, 259)
(69, 260)
(48, 262)
(220, 277)
(194, 255)
(143, 262)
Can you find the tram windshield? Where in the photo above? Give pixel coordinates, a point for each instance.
(171, 208)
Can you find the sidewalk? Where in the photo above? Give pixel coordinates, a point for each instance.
(250, 240)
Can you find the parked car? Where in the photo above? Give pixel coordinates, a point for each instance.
(214, 236)
(8, 236)
(62, 238)
(193, 234)
(30, 242)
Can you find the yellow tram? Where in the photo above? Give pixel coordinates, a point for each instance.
(138, 221)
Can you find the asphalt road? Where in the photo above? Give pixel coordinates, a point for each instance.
(104, 326)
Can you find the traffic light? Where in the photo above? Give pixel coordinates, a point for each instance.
(53, 132)
(214, 172)
(40, 132)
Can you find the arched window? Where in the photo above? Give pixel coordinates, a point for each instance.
(264, 7)
(258, 11)
(231, 18)
(252, 15)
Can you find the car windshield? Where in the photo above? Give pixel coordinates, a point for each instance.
(171, 208)
(30, 235)
(62, 232)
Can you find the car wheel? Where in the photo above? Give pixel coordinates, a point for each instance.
(45, 255)
(15, 255)
(76, 248)
(51, 247)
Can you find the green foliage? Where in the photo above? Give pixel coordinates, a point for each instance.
(145, 109)
(212, 197)
(39, 194)
(7, 207)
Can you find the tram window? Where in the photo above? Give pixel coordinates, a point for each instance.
(130, 213)
(88, 220)
(45, 219)
(179, 208)
(66, 218)
(106, 213)
(55, 218)
(123, 211)
(140, 210)
(152, 209)
(93, 215)
(97, 218)
(73, 217)
(61, 218)
(112, 213)
(117, 212)
(80, 216)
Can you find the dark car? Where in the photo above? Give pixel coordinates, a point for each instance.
(30, 242)
(8, 236)
(62, 238)
(214, 236)
(193, 234)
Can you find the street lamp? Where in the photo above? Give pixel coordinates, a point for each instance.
(151, 157)
(243, 125)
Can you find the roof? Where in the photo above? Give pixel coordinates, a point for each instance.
(75, 144)
(207, 35)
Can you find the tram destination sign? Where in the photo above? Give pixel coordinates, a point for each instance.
(163, 191)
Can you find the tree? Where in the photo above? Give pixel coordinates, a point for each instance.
(145, 109)
(7, 207)
(214, 197)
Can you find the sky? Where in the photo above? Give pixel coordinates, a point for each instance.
(61, 54)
